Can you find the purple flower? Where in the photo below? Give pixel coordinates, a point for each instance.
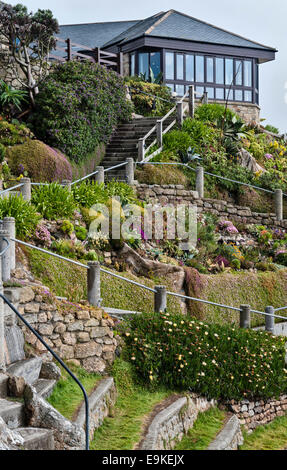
(268, 156)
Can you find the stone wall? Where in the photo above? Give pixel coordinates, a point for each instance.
(254, 413)
(177, 194)
(248, 111)
(170, 425)
(77, 332)
(230, 438)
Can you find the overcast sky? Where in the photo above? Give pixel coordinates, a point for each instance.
(261, 20)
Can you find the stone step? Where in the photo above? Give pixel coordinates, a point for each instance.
(12, 412)
(29, 369)
(44, 387)
(37, 439)
(121, 152)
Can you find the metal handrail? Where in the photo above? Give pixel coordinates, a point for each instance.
(116, 166)
(6, 248)
(209, 174)
(58, 359)
(11, 189)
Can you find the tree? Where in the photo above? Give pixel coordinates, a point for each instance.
(30, 38)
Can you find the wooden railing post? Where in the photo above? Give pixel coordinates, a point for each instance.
(159, 133)
(94, 283)
(205, 98)
(191, 101)
(100, 176)
(179, 113)
(97, 55)
(200, 181)
(278, 201)
(69, 50)
(6, 262)
(160, 299)
(269, 320)
(141, 149)
(130, 171)
(121, 64)
(245, 321)
(26, 189)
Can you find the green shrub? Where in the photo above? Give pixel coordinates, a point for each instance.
(81, 233)
(78, 106)
(88, 193)
(273, 129)
(39, 161)
(177, 141)
(2, 152)
(53, 201)
(24, 213)
(213, 113)
(157, 174)
(217, 361)
(67, 227)
(13, 133)
(121, 190)
(145, 104)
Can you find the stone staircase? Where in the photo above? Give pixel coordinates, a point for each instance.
(124, 144)
(12, 410)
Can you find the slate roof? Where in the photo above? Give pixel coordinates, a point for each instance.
(94, 34)
(175, 25)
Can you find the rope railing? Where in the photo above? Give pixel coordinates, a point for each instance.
(11, 189)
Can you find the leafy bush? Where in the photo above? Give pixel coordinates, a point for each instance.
(88, 193)
(81, 233)
(13, 133)
(157, 174)
(213, 113)
(2, 152)
(217, 361)
(11, 99)
(273, 129)
(146, 105)
(39, 161)
(121, 190)
(177, 141)
(53, 201)
(24, 213)
(78, 106)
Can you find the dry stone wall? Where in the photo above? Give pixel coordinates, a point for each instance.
(177, 194)
(77, 332)
(254, 413)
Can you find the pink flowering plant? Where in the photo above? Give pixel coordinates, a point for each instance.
(228, 227)
(43, 236)
(216, 361)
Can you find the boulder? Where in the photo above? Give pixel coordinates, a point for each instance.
(9, 439)
(50, 371)
(40, 414)
(248, 161)
(143, 267)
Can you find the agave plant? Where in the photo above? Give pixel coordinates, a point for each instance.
(11, 98)
(232, 132)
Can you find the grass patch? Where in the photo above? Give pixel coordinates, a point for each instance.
(272, 436)
(204, 431)
(134, 402)
(67, 396)
(68, 280)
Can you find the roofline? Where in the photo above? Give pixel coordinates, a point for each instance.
(100, 22)
(268, 49)
(224, 30)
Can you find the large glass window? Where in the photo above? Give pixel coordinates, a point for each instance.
(155, 63)
(221, 77)
(144, 64)
(199, 64)
(179, 67)
(169, 66)
(247, 73)
(219, 71)
(189, 67)
(210, 69)
(229, 73)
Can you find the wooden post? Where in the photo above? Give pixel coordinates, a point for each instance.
(200, 181)
(100, 176)
(67, 184)
(6, 264)
(245, 316)
(269, 321)
(121, 64)
(94, 283)
(141, 149)
(98, 55)
(278, 200)
(179, 113)
(159, 133)
(130, 171)
(26, 189)
(69, 50)
(160, 299)
(205, 98)
(191, 101)
(10, 226)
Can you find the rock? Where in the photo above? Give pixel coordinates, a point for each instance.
(26, 295)
(16, 386)
(85, 350)
(41, 414)
(93, 364)
(248, 161)
(50, 371)
(9, 440)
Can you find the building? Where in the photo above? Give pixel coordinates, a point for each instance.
(185, 51)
